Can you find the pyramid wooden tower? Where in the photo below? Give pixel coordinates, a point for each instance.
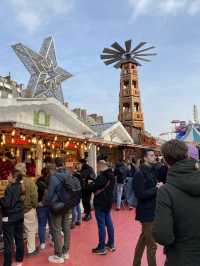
(127, 59)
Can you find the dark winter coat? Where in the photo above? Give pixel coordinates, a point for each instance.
(145, 190)
(103, 188)
(12, 203)
(121, 172)
(42, 186)
(177, 221)
(87, 174)
(162, 173)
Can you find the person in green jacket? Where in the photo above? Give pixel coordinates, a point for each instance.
(177, 220)
(30, 205)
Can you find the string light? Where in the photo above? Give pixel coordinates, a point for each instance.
(34, 140)
(17, 153)
(48, 144)
(13, 133)
(67, 144)
(40, 142)
(55, 139)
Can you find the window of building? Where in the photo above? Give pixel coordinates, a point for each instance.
(126, 107)
(134, 83)
(136, 107)
(126, 83)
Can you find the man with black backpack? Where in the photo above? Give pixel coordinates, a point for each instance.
(63, 195)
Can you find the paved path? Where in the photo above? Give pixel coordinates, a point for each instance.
(84, 238)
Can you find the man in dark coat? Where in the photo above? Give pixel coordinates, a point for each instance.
(146, 186)
(177, 218)
(87, 175)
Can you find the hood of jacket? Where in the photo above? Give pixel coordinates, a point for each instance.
(185, 175)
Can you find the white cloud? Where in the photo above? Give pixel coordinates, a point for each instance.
(194, 7)
(32, 14)
(141, 7)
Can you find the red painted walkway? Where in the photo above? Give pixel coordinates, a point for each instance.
(84, 238)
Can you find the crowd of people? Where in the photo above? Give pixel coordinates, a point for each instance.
(164, 191)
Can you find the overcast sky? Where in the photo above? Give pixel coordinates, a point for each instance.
(82, 28)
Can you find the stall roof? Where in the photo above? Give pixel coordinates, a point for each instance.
(114, 132)
(25, 113)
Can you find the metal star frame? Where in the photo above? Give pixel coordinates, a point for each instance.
(46, 75)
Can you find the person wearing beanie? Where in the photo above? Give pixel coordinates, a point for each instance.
(30, 205)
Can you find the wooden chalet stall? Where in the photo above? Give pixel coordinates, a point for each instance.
(32, 130)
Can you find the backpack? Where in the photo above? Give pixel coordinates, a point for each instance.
(121, 172)
(68, 194)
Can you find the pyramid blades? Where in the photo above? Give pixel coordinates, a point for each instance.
(134, 61)
(108, 56)
(118, 64)
(117, 55)
(143, 59)
(128, 46)
(108, 62)
(110, 51)
(138, 47)
(146, 54)
(118, 47)
(147, 49)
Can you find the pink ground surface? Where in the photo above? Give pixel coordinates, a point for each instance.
(84, 238)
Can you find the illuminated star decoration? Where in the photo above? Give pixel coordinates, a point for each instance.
(46, 75)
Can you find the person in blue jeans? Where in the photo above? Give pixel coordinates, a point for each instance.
(103, 188)
(43, 211)
(76, 211)
(121, 173)
(76, 216)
